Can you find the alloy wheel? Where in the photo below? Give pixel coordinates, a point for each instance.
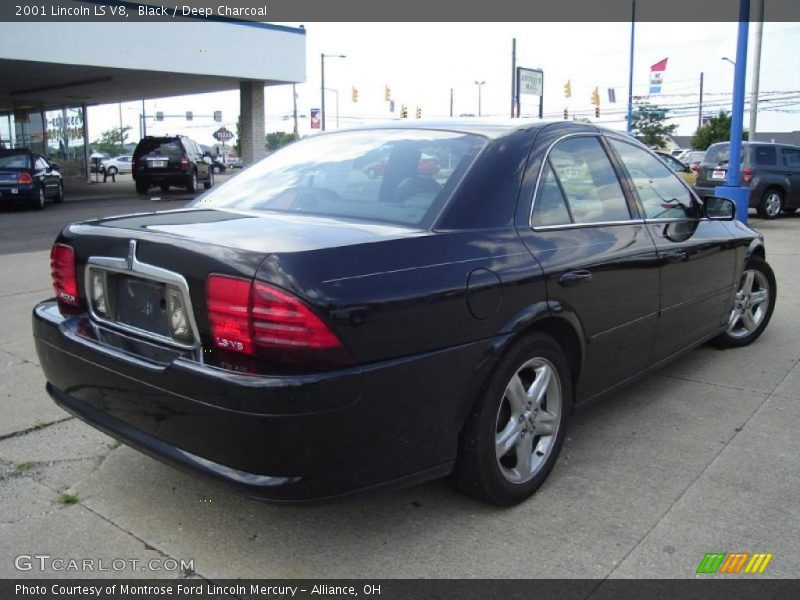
(772, 204)
(750, 305)
(528, 420)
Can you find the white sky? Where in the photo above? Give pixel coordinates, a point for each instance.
(421, 62)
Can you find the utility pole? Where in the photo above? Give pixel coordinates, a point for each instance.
(451, 102)
(700, 112)
(144, 121)
(759, 20)
(322, 87)
(630, 72)
(513, 74)
(480, 85)
(294, 103)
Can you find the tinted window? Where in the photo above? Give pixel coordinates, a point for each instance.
(171, 148)
(397, 176)
(662, 194)
(588, 181)
(764, 155)
(10, 160)
(550, 207)
(791, 157)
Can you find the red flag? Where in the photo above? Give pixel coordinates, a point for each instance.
(660, 65)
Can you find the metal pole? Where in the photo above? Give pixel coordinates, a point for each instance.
(451, 102)
(479, 99)
(630, 71)
(322, 92)
(759, 19)
(85, 117)
(144, 120)
(513, 73)
(294, 101)
(541, 100)
(700, 111)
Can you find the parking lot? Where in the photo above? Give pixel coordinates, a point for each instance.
(702, 457)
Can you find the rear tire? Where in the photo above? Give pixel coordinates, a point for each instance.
(191, 187)
(142, 188)
(771, 204)
(753, 305)
(39, 199)
(524, 425)
(208, 184)
(59, 197)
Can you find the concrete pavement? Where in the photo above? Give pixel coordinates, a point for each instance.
(702, 457)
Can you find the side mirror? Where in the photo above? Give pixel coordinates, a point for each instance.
(207, 159)
(719, 209)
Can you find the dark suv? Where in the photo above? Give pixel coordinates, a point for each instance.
(170, 160)
(771, 171)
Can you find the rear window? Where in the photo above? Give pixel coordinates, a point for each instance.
(171, 148)
(791, 157)
(15, 160)
(717, 153)
(394, 176)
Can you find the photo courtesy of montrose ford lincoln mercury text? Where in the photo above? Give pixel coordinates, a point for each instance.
(313, 328)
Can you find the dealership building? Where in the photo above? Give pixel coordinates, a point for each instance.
(51, 72)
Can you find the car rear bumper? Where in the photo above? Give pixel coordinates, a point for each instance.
(24, 194)
(182, 178)
(287, 438)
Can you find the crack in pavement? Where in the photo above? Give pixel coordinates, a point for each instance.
(38, 427)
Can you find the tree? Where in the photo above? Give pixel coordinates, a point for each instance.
(648, 125)
(277, 139)
(238, 143)
(112, 141)
(718, 129)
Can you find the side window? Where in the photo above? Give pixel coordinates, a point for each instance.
(588, 181)
(661, 192)
(550, 207)
(766, 155)
(791, 157)
(41, 163)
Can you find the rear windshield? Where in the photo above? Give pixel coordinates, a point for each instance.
(15, 160)
(717, 153)
(171, 148)
(394, 176)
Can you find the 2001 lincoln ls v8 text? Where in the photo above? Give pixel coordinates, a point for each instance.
(306, 331)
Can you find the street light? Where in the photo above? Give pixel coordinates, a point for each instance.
(322, 86)
(729, 60)
(480, 85)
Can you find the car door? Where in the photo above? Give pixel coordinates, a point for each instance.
(697, 256)
(599, 261)
(43, 174)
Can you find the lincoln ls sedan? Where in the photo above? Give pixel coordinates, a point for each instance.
(305, 331)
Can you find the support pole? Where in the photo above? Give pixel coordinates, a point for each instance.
(700, 108)
(630, 70)
(322, 92)
(759, 20)
(513, 74)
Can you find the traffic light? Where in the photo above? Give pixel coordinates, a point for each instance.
(419, 112)
(568, 89)
(403, 111)
(218, 116)
(566, 114)
(189, 115)
(596, 112)
(596, 97)
(159, 116)
(354, 94)
(387, 93)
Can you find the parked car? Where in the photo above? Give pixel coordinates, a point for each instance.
(681, 169)
(118, 164)
(692, 159)
(770, 171)
(426, 165)
(298, 333)
(166, 161)
(29, 179)
(234, 163)
(96, 161)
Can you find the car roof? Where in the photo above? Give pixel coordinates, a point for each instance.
(493, 128)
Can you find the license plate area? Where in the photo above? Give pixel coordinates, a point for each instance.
(718, 174)
(157, 163)
(141, 304)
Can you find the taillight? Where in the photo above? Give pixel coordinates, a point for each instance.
(24, 178)
(747, 175)
(62, 269)
(696, 168)
(184, 162)
(251, 317)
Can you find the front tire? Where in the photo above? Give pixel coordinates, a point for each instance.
(771, 204)
(59, 197)
(113, 171)
(514, 435)
(752, 306)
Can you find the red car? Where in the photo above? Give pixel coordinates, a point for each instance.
(427, 165)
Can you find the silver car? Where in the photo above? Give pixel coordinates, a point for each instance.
(118, 164)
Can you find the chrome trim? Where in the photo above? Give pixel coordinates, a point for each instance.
(596, 224)
(130, 265)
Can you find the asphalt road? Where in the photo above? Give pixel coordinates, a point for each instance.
(702, 456)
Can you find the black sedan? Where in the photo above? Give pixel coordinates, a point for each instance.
(29, 179)
(304, 331)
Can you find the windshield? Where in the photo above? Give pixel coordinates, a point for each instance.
(14, 160)
(395, 176)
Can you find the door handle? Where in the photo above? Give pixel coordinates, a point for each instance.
(574, 278)
(676, 256)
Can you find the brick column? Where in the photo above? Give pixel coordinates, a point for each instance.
(253, 130)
